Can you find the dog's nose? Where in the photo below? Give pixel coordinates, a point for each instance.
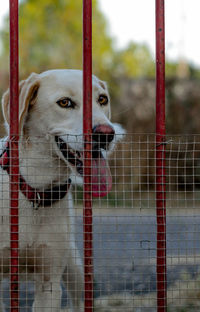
(103, 135)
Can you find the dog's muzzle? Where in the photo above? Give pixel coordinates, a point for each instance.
(102, 136)
(101, 179)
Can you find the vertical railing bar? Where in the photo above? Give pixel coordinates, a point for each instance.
(160, 158)
(87, 130)
(14, 156)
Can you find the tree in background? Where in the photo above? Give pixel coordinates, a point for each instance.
(51, 36)
(134, 61)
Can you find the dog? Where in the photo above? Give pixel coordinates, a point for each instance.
(50, 160)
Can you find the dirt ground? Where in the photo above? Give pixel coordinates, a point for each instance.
(125, 263)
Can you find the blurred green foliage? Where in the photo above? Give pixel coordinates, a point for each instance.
(51, 37)
(133, 61)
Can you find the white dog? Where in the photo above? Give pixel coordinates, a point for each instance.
(50, 116)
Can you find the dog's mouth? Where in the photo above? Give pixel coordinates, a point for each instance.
(100, 171)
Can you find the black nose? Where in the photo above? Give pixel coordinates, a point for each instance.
(103, 135)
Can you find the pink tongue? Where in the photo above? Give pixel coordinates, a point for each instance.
(101, 177)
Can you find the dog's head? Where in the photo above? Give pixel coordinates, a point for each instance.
(50, 106)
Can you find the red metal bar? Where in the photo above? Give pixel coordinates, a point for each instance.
(14, 156)
(160, 158)
(87, 130)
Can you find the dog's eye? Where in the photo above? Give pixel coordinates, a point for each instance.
(103, 100)
(66, 103)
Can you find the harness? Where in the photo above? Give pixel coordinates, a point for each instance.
(38, 198)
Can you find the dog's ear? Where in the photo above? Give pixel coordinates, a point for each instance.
(28, 90)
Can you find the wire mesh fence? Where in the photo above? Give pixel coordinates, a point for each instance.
(124, 224)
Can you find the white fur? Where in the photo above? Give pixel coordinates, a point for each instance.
(48, 232)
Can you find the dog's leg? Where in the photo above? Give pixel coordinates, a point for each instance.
(47, 297)
(73, 280)
(48, 290)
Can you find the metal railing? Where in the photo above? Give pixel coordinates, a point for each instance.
(87, 130)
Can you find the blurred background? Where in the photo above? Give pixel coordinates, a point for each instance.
(123, 54)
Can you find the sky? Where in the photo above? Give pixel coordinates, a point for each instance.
(135, 20)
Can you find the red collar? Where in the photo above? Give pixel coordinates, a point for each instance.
(37, 198)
